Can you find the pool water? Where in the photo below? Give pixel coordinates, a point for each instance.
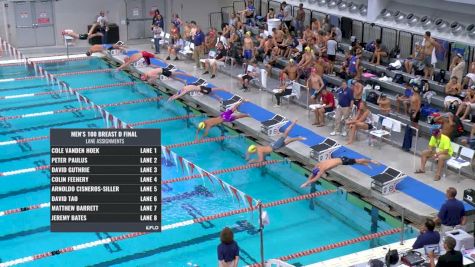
(293, 227)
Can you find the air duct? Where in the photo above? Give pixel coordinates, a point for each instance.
(334, 3)
(426, 22)
(399, 16)
(343, 5)
(471, 30)
(386, 14)
(412, 19)
(322, 2)
(456, 27)
(441, 24)
(353, 7)
(363, 10)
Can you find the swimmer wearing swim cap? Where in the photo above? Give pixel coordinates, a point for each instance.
(168, 72)
(263, 151)
(203, 88)
(324, 166)
(226, 116)
(307, 49)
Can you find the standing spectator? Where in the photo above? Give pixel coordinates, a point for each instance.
(415, 107)
(440, 149)
(287, 12)
(427, 235)
(157, 19)
(345, 103)
(228, 250)
(198, 41)
(363, 120)
(457, 67)
(451, 258)
(338, 34)
(156, 38)
(103, 25)
(380, 51)
(300, 19)
(175, 46)
(332, 45)
(429, 45)
(327, 105)
(357, 88)
(452, 213)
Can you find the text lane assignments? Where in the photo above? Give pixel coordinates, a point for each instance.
(105, 180)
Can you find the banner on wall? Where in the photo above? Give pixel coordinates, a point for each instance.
(442, 52)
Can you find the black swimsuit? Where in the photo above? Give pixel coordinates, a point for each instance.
(166, 72)
(347, 161)
(205, 90)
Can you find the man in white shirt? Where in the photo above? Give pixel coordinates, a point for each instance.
(287, 15)
(103, 26)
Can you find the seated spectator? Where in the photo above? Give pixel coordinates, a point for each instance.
(452, 90)
(219, 56)
(271, 60)
(451, 258)
(315, 83)
(327, 104)
(175, 46)
(315, 24)
(404, 99)
(451, 125)
(223, 39)
(247, 15)
(306, 62)
(440, 149)
(284, 89)
(249, 75)
(362, 120)
(357, 88)
(470, 141)
(452, 213)
(457, 67)
(380, 51)
(427, 235)
(343, 110)
(290, 72)
(469, 79)
(414, 61)
(468, 104)
(384, 104)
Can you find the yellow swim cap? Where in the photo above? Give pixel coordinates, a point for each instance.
(307, 48)
(291, 60)
(201, 125)
(248, 33)
(251, 149)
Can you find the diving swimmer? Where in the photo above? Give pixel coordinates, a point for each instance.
(101, 47)
(326, 165)
(262, 151)
(204, 89)
(147, 56)
(226, 116)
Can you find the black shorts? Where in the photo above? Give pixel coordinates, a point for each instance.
(166, 73)
(370, 126)
(332, 58)
(83, 36)
(347, 161)
(357, 103)
(205, 90)
(416, 117)
(247, 77)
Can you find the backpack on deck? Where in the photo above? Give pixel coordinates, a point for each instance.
(395, 52)
(427, 110)
(398, 78)
(370, 46)
(372, 97)
(440, 77)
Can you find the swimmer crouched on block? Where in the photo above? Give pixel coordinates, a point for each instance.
(226, 116)
(326, 165)
(263, 151)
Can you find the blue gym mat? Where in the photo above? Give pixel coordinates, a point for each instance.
(410, 186)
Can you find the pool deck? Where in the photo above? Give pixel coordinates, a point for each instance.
(415, 210)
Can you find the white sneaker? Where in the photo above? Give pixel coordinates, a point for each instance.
(334, 133)
(343, 134)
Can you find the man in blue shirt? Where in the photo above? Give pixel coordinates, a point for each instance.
(452, 212)
(345, 103)
(198, 41)
(428, 236)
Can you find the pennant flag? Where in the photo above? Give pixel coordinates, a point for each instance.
(235, 193)
(249, 200)
(192, 167)
(110, 119)
(181, 162)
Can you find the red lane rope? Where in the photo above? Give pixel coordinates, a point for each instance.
(23, 209)
(145, 100)
(66, 90)
(232, 169)
(202, 141)
(164, 228)
(335, 245)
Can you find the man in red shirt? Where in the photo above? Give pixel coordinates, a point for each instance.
(327, 104)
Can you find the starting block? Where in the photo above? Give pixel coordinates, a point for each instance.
(271, 127)
(324, 150)
(386, 182)
(229, 103)
(138, 64)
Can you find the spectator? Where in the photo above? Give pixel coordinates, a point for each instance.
(156, 38)
(233, 19)
(290, 72)
(404, 99)
(175, 46)
(345, 103)
(271, 61)
(416, 60)
(354, 66)
(332, 46)
(380, 51)
(176, 21)
(384, 105)
(198, 41)
(457, 67)
(250, 74)
(363, 120)
(270, 14)
(284, 89)
(306, 62)
(327, 105)
(357, 88)
(337, 32)
(429, 46)
(440, 149)
(228, 250)
(469, 79)
(287, 12)
(157, 19)
(427, 235)
(451, 258)
(219, 56)
(315, 25)
(187, 31)
(247, 15)
(210, 40)
(103, 24)
(452, 213)
(300, 19)
(470, 141)
(315, 83)
(452, 90)
(415, 107)
(451, 125)
(248, 48)
(223, 39)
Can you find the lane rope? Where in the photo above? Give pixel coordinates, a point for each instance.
(164, 228)
(57, 75)
(202, 141)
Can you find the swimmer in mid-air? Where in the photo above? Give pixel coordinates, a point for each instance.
(226, 116)
(326, 165)
(147, 56)
(263, 151)
(101, 47)
(203, 88)
(82, 36)
(155, 73)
